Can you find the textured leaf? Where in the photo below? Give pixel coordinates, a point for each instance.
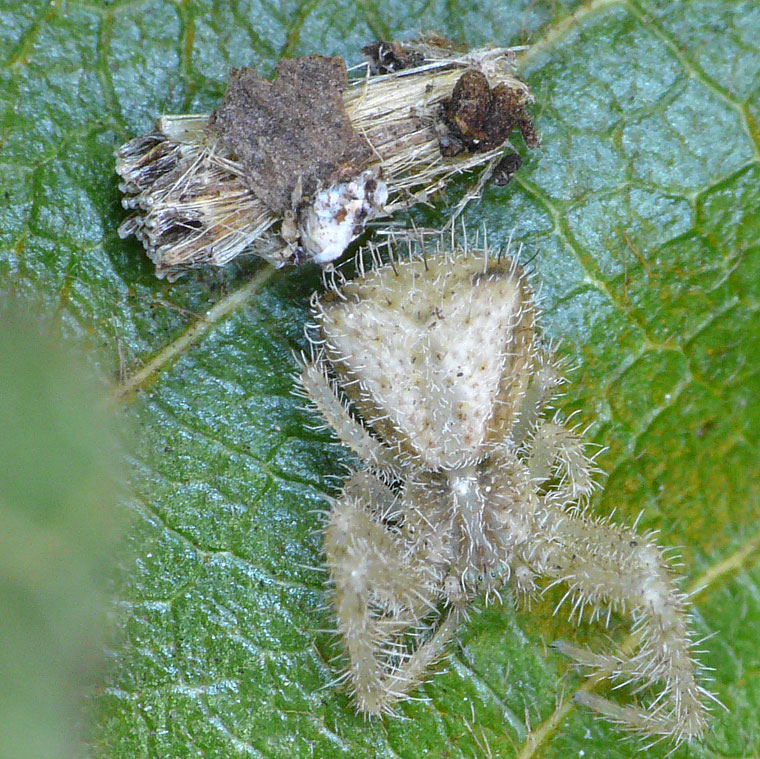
(641, 212)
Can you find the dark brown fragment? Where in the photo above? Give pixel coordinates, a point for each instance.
(292, 128)
(506, 169)
(387, 57)
(465, 112)
(508, 112)
(480, 119)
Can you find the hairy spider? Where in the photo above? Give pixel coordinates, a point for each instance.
(433, 371)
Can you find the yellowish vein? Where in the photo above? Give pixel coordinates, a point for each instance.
(195, 332)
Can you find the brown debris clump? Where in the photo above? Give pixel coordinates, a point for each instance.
(292, 132)
(292, 170)
(480, 119)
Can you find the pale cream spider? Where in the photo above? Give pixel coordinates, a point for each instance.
(433, 371)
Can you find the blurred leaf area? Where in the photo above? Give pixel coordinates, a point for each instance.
(59, 520)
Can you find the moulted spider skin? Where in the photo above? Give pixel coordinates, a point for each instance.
(433, 371)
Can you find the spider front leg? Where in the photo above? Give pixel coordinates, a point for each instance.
(613, 567)
(556, 449)
(322, 392)
(383, 597)
(546, 378)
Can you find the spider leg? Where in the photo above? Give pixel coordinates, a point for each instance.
(323, 394)
(385, 602)
(555, 448)
(524, 581)
(379, 499)
(612, 566)
(547, 376)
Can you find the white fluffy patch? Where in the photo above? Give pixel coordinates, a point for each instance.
(338, 215)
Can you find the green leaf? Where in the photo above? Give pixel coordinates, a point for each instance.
(641, 210)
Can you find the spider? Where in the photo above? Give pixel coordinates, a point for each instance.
(433, 371)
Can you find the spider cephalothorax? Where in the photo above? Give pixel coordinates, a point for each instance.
(433, 371)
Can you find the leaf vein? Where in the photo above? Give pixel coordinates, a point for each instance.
(165, 357)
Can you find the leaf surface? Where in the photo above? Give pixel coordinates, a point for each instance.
(640, 215)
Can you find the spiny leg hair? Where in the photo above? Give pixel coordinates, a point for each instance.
(379, 595)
